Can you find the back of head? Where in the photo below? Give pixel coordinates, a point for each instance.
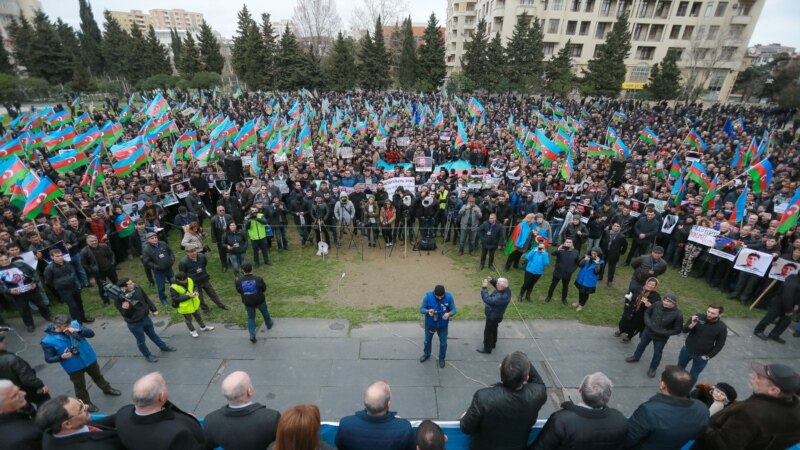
(595, 390)
(377, 398)
(237, 388)
(514, 370)
(148, 389)
(430, 436)
(298, 429)
(677, 381)
(52, 414)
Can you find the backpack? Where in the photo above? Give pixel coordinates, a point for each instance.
(426, 244)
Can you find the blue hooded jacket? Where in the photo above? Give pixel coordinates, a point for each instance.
(587, 276)
(537, 261)
(54, 345)
(447, 304)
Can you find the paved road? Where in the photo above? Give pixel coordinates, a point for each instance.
(324, 361)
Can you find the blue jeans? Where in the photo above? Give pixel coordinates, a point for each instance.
(658, 348)
(79, 271)
(162, 277)
(429, 332)
(280, 236)
(698, 363)
(236, 260)
(555, 226)
(251, 317)
(469, 237)
(142, 328)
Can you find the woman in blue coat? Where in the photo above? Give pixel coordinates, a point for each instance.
(537, 259)
(586, 282)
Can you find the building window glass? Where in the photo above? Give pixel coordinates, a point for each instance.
(709, 8)
(571, 26)
(548, 48)
(576, 6)
(722, 7)
(575, 50)
(675, 32)
(557, 4)
(585, 28)
(643, 8)
(645, 53)
(713, 32)
(589, 6)
(605, 8)
(622, 8)
(553, 26)
(640, 74)
(715, 83)
(682, 8)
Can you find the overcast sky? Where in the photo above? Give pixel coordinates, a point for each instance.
(778, 21)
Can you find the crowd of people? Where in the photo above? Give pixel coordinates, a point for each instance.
(398, 168)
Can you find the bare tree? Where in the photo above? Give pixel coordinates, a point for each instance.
(367, 12)
(318, 22)
(705, 55)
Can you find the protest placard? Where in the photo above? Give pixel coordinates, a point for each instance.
(345, 152)
(659, 205)
(57, 246)
(182, 188)
(403, 141)
(783, 268)
(637, 207)
(703, 235)
(668, 224)
(379, 143)
(391, 184)
(444, 136)
(753, 261)
(423, 164)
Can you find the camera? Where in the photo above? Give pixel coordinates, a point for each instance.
(74, 350)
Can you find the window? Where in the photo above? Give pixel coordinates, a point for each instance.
(722, 7)
(605, 8)
(727, 53)
(662, 9)
(701, 31)
(470, 6)
(553, 26)
(597, 50)
(602, 29)
(575, 6)
(589, 6)
(645, 53)
(639, 31)
(622, 7)
(575, 50)
(701, 54)
(695, 12)
(682, 8)
(675, 32)
(709, 8)
(544, 4)
(656, 31)
(585, 28)
(687, 32)
(744, 9)
(736, 31)
(640, 74)
(469, 21)
(548, 48)
(557, 4)
(715, 83)
(643, 8)
(571, 26)
(713, 32)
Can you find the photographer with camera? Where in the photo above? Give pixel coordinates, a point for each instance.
(707, 336)
(255, 224)
(66, 343)
(438, 306)
(496, 304)
(135, 307)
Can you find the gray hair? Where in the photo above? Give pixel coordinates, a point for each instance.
(377, 397)
(235, 386)
(595, 390)
(148, 389)
(502, 282)
(4, 386)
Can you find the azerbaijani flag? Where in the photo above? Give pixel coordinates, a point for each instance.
(112, 132)
(738, 158)
(87, 139)
(675, 168)
(125, 166)
(567, 167)
(738, 125)
(438, 122)
(21, 190)
(563, 140)
(11, 170)
(789, 217)
(520, 150)
(619, 117)
(59, 139)
(123, 225)
(11, 148)
(678, 190)
(83, 120)
(474, 107)
(737, 215)
(549, 149)
(59, 118)
(37, 202)
(595, 149)
(709, 201)
(694, 139)
(621, 149)
(611, 135)
(68, 161)
(125, 149)
(461, 135)
(698, 174)
(187, 139)
(157, 106)
(649, 136)
(761, 173)
(126, 114)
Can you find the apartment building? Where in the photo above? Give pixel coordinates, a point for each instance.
(160, 19)
(13, 9)
(711, 36)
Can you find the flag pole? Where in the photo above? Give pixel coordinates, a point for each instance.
(771, 285)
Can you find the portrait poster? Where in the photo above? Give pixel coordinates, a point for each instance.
(423, 164)
(14, 278)
(181, 189)
(659, 205)
(692, 156)
(162, 170)
(345, 152)
(703, 235)
(783, 268)
(444, 136)
(212, 177)
(585, 212)
(379, 143)
(669, 223)
(132, 209)
(753, 261)
(403, 141)
(58, 245)
(637, 207)
(169, 199)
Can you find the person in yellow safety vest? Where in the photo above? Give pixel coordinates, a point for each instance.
(256, 226)
(187, 301)
(441, 216)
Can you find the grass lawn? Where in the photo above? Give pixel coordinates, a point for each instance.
(298, 280)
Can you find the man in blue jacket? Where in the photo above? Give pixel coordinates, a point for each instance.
(496, 304)
(438, 307)
(66, 343)
(375, 427)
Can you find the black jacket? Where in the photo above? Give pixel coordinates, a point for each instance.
(89, 260)
(580, 428)
(500, 418)
(707, 338)
(647, 227)
(490, 235)
(613, 249)
(217, 230)
(642, 266)
(566, 263)
(235, 237)
(666, 423)
(19, 372)
(60, 277)
(787, 298)
(169, 429)
(93, 440)
(18, 431)
(253, 426)
(159, 257)
(251, 288)
(195, 269)
(140, 306)
(661, 322)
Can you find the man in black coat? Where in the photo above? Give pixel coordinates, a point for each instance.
(566, 264)
(644, 231)
(253, 289)
(17, 429)
(219, 225)
(491, 235)
(495, 305)
(662, 320)
(63, 279)
(500, 417)
(782, 307)
(707, 336)
(19, 372)
(591, 425)
(194, 265)
(153, 422)
(65, 422)
(647, 266)
(614, 245)
(241, 424)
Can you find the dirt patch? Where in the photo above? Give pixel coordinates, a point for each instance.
(398, 280)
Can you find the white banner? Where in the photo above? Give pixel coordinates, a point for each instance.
(703, 235)
(391, 184)
(783, 268)
(753, 261)
(403, 141)
(722, 254)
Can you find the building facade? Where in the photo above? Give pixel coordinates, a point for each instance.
(13, 9)
(765, 54)
(160, 19)
(710, 36)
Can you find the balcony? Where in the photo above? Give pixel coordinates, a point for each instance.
(741, 20)
(526, 8)
(499, 10)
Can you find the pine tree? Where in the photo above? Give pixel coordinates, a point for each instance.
(48, 59)
(380, 57)
(606, 72)
(525, 54)
(395, 47)
(269, 49)
(90, 39)
(495, 62)
(157, 54)
(68, 38)
(248, 51)
(558, 73)
(210, 57)
(339, 66)
(474, 63)
(665, 78)
(21, 35)
(407, 62)
(138, 67)
(5, 60)
(431, 67)
(365, 62)
(290, 62)
(190, 58)
(536, 52)
(175, 46)
(115, 47)
(310, 70)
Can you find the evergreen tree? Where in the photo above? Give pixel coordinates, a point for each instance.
(431, 67)
(48, 58)
(407, 62)
(90, 39)
(248, 51)
(157, 54)
(380, 58)
(665, 78)
(395, 47)
(68, 38)
(525, 53)
(21, 35)
(269, 49)
(190, 58)
(366, 64)
(495, 62)
(558, 73)
(210, 57)
(138, 61)
(310, 70)
(5, 60)
(536, 52)
(115, 47)
(290, 63)
(339, 72)
(474, 63)
(175, 46)
(606, 72)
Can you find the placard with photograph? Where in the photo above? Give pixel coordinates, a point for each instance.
(162, 170)
(58, 245)
(132, 209)
(403, 141)
(444, 136)
(212, 177)
(659, 205)
(637, 207)
(423, 164)
(783, 268)
(692, 156)
(703, 235)
(169, 200)
(585, 212)
(379, 143)
(182, 188)
(753, 261)
(223, 186)
(668, 223)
